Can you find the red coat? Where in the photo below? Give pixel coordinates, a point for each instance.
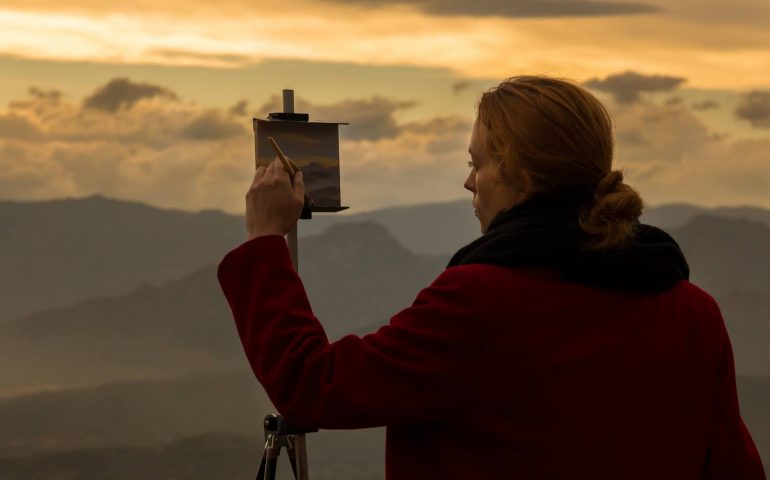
(499, 372)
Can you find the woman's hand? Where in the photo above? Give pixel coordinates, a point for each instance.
(273, 204)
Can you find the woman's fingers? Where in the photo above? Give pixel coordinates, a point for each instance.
(261, 170)
(299, 187)
(280, 169)
(267, 171)
(273, 173)
(273, 203)
(293, 165)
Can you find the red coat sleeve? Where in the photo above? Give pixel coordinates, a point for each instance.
(416, 368)
(732, 454)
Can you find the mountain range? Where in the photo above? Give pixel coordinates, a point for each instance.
(116, 334)
(58, 252)
(184, 326)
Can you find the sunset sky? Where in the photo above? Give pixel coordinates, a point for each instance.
(152, 101)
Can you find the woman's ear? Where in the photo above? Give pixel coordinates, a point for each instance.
(525, 186)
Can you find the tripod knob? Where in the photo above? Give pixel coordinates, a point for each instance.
(271, 423)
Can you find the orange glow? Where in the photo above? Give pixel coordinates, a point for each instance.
(728, 57)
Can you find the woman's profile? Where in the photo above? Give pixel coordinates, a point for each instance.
(566, 341)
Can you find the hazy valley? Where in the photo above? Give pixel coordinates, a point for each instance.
(118, 349)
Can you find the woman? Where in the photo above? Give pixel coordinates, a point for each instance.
(565, 342)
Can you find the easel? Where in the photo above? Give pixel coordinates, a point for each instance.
(278, 432)
(300, 124)
(307, 213)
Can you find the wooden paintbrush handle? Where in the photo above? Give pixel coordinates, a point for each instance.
(287, 164)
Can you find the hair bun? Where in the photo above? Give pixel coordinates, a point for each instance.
(610, 221)
(609, 183)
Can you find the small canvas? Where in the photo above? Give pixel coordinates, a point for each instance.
(314, 148)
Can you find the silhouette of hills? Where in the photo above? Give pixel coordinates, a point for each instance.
(356, 276)
(726, 254)
(442, 228)
(122, 431)
(59, 252)
(122, 355)
(352, 455)
(754, 397)
(356, 273)
(677, 214)
(134, 413)
(152, 332)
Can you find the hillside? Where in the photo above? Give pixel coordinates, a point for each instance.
(726, 254)
(356, 277)
(60, 252)
(131, 428)
(353, 455)
(55, 253)
(129, 373)
(159, 410)
(134, 413)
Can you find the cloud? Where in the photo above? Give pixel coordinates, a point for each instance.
(663, 136)
(387, 162)
(705, 105)
(755, 108)
(51, 95)
(27, 173)
(632, 137)
(212, 125)
(122, 92)
(671, 156)
(461, 85)
(175, 154)
(154, 148)
(18, 127)
(401, 34)
(370, 119)
(191, 57)
(626, 87)
(518, 9)
(239, 109)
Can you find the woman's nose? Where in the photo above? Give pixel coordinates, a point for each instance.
(469, 184)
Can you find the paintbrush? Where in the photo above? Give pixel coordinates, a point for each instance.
(290, 166)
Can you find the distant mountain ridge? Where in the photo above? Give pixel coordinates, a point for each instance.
(726, 253)
(185, 327)
(131, 413)
(58, 252)
(675, 215)
(169, 343)
(332, 455)
(150, 414)
(357, 275)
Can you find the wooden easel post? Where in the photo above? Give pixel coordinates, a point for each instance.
(291, 237)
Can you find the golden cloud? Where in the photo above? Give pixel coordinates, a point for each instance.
(172, 153)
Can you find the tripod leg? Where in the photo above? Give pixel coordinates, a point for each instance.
(300, 448)
(261, 471)
(292, 455)
(269, 459)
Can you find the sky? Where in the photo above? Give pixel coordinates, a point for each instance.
(153, 101)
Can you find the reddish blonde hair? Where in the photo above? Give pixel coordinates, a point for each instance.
(549, 135)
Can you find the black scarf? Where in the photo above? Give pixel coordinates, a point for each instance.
(543, 231)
